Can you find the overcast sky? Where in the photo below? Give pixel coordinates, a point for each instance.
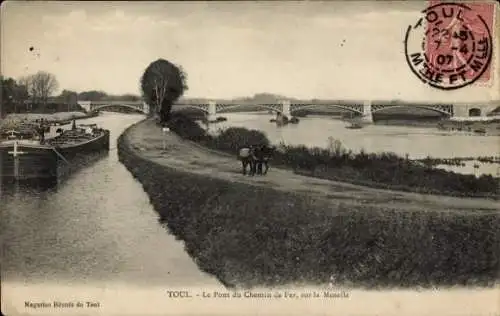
(349, 50)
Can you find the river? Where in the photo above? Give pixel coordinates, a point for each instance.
(97, 227)
(97, 238)
(417, 142)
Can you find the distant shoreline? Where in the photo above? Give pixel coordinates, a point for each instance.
(15, 118)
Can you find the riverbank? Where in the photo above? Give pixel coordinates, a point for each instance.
(286, 228)
(16, 118)
(384, 170)
(488, 126)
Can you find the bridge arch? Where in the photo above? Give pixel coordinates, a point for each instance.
(475, 112)
(188, 106)
(376, 109)
(340, 107)
(99, 107)
(274, 107)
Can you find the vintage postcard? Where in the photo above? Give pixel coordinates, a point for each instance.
(250, 158)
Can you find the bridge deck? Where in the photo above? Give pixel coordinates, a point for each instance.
(461, 110)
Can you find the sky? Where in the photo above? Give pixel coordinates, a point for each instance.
(324, 50)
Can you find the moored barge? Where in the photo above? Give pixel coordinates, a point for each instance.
(25, 154)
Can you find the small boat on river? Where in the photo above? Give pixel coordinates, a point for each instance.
(354, 122)
(355, 125)
(26, 155)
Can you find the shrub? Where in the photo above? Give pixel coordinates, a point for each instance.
(187, 128)
(386, 169)
(233, 138)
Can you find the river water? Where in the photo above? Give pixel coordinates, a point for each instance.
(417, 142)
(96, 227)
(99, 225)
(96, 236)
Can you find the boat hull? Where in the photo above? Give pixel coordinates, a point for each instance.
(48, 163)
(34, 162)
(96, 145)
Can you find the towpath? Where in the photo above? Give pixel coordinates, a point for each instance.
(148, 140)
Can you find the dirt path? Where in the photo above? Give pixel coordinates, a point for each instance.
(147, 139)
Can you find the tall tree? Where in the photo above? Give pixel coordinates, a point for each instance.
(40, 86)
(162, 83)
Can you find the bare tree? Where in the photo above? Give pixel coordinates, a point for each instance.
(40, 86)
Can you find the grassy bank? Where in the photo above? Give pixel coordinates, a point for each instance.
(384, 170)
(252, 236)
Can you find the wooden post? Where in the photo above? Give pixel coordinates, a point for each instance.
(164, 131)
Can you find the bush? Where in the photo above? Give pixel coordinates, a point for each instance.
(384, 170)
(187, 128)
(231, 139)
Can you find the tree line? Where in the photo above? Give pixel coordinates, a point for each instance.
(37, 92)
(161, 85)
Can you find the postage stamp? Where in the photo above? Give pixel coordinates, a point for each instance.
(450, 46)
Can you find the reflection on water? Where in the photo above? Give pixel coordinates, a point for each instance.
(97, 226)
(417, 142)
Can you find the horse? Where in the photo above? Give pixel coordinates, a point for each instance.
(255, 156)
(263, 154)
(248, 158)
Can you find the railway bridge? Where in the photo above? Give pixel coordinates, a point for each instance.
(363, 109)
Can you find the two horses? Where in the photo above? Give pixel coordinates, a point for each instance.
(255, 157)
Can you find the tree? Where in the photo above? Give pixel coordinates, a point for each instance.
(123, 97)
(129, 97)
(13, 95)
(40, 86)
(92, 95)
(68, 96)
(162, 83)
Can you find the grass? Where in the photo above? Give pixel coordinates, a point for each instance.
(251, 236)
(383, 170)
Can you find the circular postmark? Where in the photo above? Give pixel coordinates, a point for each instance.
(449, 47)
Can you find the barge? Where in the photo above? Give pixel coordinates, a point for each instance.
(25, 154)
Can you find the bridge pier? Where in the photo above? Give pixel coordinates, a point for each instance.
(145, 108)
(285, 108)
(467, 110)
(212, 111)
(86, 105)
(367, 112)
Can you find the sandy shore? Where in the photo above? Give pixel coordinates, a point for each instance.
(170, 150)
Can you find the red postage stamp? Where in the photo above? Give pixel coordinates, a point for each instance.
(450, 46)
